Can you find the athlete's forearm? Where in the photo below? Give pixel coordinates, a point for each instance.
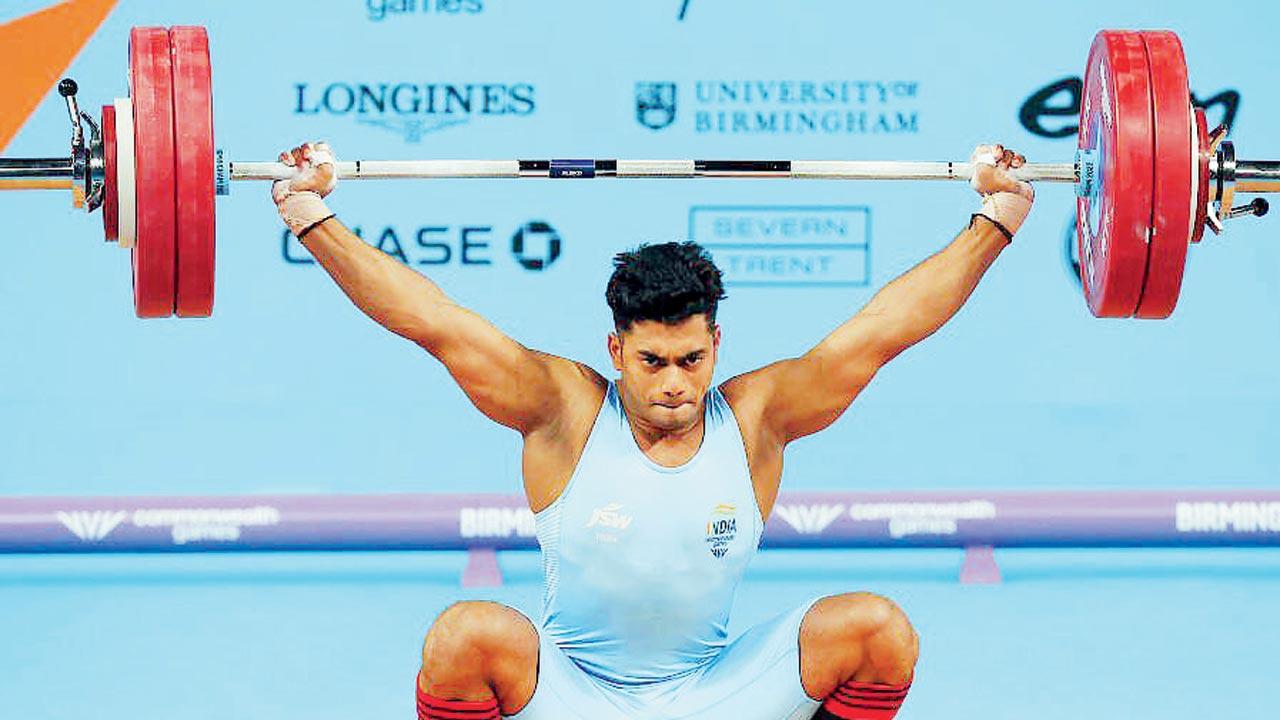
(395, 296)
(917, 303)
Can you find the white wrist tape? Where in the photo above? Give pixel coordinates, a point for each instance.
(1008, 209)
(1003, 200)
(300, 210)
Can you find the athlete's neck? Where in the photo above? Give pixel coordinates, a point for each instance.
(667, 446)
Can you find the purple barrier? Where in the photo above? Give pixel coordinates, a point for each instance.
(800, 520)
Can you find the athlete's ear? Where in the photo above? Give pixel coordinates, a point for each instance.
(715, 338)
(615, 350)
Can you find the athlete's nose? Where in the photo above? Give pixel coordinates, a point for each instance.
(672, 387)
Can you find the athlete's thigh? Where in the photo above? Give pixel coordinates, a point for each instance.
(565, 692)
(757, 677)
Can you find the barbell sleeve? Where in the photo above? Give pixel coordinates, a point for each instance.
(36, 168)
(1257, 176)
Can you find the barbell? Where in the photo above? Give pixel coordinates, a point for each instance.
(1148, 173)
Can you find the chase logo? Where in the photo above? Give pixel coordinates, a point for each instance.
(809, 519)
(535, 245)
(655, 104)
(92, 525)
(786, 245)
(722, 528)
(413, 110)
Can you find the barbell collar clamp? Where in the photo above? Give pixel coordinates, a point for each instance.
(1256, 208)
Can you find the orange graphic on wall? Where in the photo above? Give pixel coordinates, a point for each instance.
(36, 50)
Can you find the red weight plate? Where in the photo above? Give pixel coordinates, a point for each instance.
(193, 170)
(1113, 223)
(1176, 175)
(110, 207)
(1203, 199)
(151, 90)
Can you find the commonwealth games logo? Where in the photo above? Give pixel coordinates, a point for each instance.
(91, 525)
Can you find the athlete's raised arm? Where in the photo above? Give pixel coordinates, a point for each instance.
(520, 388)
(803, 395)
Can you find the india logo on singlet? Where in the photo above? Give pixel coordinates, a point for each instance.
(722, 528)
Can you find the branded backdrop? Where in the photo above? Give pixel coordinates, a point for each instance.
(289, 388)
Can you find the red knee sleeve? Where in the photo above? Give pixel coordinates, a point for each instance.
(434, 708)
(864, 701)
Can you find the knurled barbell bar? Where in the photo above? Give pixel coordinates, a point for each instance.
(1149, 174)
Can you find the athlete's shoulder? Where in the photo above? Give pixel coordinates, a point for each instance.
(748, 396)
(592, 387)
(748, 392)
(577, 382)
(582, 393)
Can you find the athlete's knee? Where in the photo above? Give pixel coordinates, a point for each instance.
(481, 650)
(470, 639)
(888, 639)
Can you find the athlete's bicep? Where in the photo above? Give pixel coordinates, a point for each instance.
(800, 396)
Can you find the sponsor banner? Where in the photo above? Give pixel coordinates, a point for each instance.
(1053, 111)
(412, 109)
(390, 11)
(1236, 517)
(786, 106)
(533, 246)
(264, 522)
(786, 245)
(800, 519)
(1026, 519)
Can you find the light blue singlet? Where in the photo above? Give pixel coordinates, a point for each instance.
(641, 563)
(641, 560)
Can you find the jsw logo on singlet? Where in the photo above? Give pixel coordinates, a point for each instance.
(608, 516)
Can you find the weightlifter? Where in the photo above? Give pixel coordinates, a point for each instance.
(651, 488)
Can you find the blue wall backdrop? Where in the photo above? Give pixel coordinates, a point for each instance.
(288, 388)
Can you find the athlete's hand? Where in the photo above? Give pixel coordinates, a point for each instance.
(315, 171)
(1005, 199)
(300, 198)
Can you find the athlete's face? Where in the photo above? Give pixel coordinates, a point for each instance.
(666, 369)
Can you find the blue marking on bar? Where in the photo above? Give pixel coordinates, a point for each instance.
(573, 168)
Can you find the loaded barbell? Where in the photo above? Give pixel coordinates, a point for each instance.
(1149, 175)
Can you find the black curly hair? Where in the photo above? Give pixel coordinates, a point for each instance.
(668, 282)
